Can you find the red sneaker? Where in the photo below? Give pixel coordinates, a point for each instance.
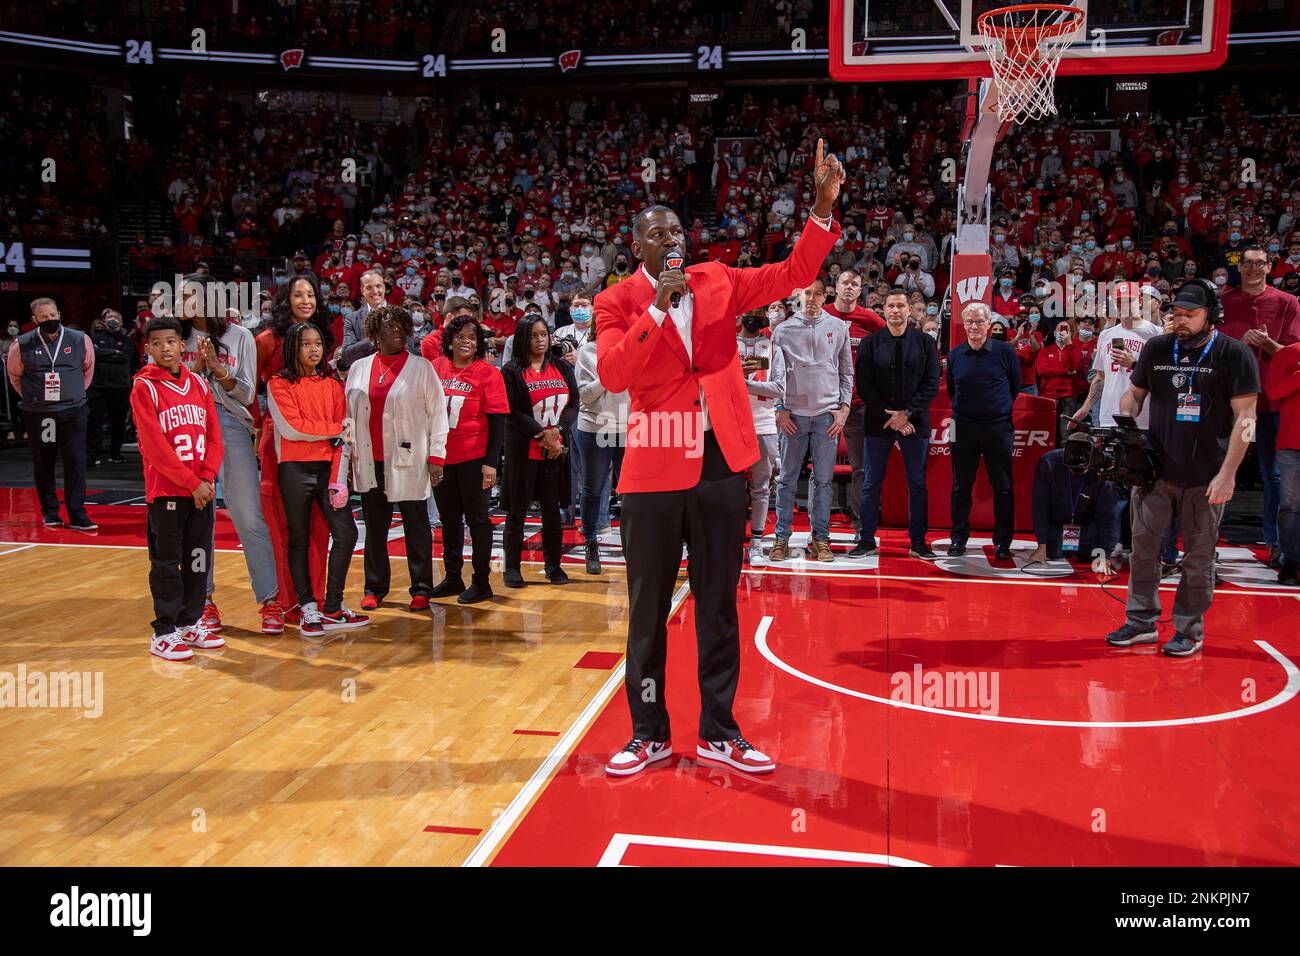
(637, 755)
(736, 752)
(342, 620)
(369, 602)
(418, 603)
(272, 617)
(211, 619)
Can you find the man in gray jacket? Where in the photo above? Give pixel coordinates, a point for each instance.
(816, 384)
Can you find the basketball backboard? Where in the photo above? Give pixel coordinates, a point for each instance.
(889, 40)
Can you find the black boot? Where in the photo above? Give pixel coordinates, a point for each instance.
(512, 578)
(555, 574)
(448, 587)
(593, 557)
(476, 592)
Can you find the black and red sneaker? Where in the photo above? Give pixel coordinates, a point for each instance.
(637, 755)
(736, 752)
(343, 620)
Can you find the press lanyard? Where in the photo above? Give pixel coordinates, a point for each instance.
(58, 346)
(1074, 495)
(1191, 372)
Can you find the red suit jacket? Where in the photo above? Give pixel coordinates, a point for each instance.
(649, 362)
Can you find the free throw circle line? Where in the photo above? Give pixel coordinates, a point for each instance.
(1277, 700)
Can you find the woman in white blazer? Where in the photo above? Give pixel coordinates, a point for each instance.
(399, 442)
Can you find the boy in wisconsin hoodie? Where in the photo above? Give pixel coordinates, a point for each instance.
(180, 444)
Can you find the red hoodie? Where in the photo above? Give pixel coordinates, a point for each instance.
(1057, 369)
(176, 423)
(1282, 386)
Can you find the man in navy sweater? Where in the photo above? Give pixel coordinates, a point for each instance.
(983, 380)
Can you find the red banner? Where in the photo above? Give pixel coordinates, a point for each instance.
(970, 283)
(1034, 419)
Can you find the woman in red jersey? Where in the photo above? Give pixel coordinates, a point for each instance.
(543, 396)
(476, 414)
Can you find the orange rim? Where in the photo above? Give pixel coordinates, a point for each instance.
(1020, 36)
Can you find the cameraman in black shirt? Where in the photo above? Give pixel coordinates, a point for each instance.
(1202, 386)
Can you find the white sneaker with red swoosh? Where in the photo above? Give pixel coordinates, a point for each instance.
(637, 755)
(736, 752)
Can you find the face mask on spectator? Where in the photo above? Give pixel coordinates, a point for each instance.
(933, 333)
(931, 310)
(1220, 280)
(1234, 236)
(13, 330)
(1085, 333)
(581, 314)
(112, 324)
(1090, 244)
(417, 319)
(1005, 283)
(334, 308)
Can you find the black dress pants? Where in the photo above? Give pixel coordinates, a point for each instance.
(993, 443)
(541, 480)
(303, 483)
(53, 435)
(378, 512)
(179, 536)
(463, 500)
(710, 520)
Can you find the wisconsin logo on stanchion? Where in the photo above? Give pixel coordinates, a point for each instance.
(292, 59)
(569, 60)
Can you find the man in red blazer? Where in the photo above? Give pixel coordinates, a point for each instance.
(690, 438)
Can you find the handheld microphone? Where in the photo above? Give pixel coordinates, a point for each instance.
(674, 259)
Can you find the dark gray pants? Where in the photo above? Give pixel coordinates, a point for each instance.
(1151, 513)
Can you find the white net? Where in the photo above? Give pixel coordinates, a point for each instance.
(1024, 44)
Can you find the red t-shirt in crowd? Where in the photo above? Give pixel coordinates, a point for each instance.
(383, 372)
(1274, 311)
(862, 322)
(549, 394)
(473, 393)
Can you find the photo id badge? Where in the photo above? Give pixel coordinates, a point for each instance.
(1070, 536)
(1189, 407)
(52, 390)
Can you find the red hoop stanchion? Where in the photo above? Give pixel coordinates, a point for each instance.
(1024, 44)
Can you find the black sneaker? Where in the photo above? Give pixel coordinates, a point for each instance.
(1275, 557)
(1169, 567)
(864, 548)
(83, 524)
(956, 550)
(555, 574)
(1002, 553)
(1290, 573)
(1129, 634)
(448, 587)
(1180, 646)
(593, 557)
(513, 579)
(117, 459)
(475, 593)
(922, 551)
(55, 522)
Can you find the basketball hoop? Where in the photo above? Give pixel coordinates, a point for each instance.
(1024, 44)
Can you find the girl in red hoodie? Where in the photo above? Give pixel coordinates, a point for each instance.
(180, 444)
(305, 401)
(1058, 372)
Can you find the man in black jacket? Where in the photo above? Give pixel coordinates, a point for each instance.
(1074, 515)
(897, 378)
(110, 392)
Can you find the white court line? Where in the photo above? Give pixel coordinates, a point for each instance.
(1277, 700)
(21, 547)
(503, 824)
(619, 843)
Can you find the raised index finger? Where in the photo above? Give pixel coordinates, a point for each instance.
(819, 153)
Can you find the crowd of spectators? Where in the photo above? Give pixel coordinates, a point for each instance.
(54, 171)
